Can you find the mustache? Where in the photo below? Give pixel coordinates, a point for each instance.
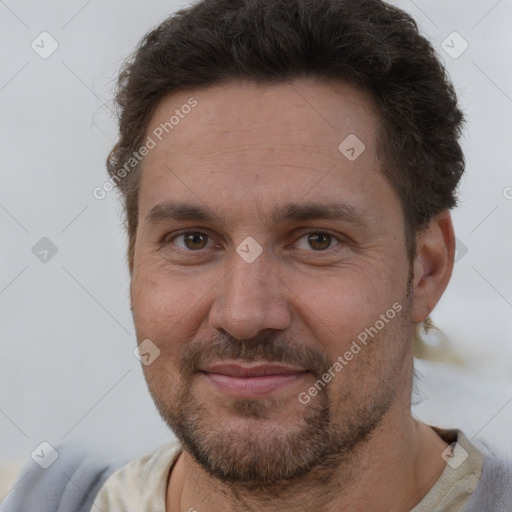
(263, 347)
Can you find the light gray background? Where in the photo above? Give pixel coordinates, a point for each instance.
(67, 371)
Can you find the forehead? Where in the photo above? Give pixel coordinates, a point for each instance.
(244, 143)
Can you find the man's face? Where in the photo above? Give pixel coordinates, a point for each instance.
(257, 299)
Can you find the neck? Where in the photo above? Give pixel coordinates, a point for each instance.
(393, 470)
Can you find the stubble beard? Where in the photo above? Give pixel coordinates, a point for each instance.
(259, 452)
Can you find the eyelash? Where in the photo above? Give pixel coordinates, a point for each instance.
(167, 241)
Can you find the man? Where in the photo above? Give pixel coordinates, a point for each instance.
(287, 169)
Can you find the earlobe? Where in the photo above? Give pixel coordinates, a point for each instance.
(433, 265)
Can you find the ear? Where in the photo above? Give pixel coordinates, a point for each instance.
(433, 266)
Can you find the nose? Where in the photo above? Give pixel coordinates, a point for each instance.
(251, 298)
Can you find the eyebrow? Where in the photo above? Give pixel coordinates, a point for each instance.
(168, 211)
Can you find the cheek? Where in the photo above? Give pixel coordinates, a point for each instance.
(167, 309)
(338, 306)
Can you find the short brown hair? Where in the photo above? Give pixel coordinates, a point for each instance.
(368, 43)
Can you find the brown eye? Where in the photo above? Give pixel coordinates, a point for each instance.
(192, 240)
(316, 240)
(319, 241)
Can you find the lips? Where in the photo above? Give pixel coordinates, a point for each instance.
(246, 381)
(258, 370)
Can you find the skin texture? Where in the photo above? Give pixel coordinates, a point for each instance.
(242, 151)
